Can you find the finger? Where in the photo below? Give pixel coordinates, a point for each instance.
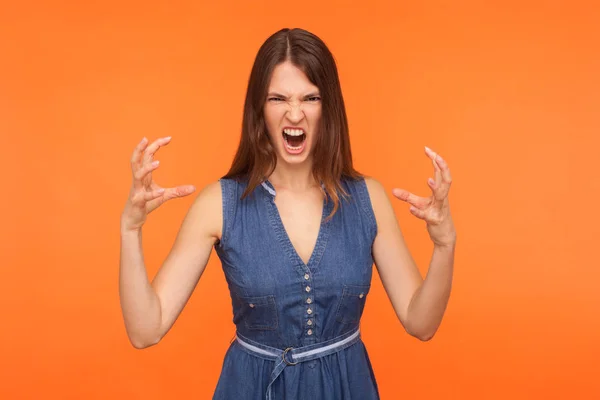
(431, 183)
(141, 197)
(171, 193)
(445, 179)
(409, 197)
(445, 170)
(141, 172)
(153, 194)
(417, 212)
(153, 148)
(180, 191)
(434, 159)
(137, 152)
(430, 153)
(439, 186)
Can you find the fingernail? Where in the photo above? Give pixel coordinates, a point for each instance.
(427, 148)
(144, 139)
(161, 190)
(431, 181)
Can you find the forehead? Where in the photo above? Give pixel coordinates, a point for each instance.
(289, 79)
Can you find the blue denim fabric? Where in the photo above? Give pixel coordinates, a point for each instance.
(280, 302)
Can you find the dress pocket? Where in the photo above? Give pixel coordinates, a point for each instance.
(352, 303)
(257, 312)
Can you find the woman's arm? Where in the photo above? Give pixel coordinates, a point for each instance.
(419, 304)
(150, 309)
(428, 304)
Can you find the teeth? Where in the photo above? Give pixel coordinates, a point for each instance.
(293, 132)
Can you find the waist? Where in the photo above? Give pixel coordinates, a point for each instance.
(295, 355)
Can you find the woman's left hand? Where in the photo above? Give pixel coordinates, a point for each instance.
(435, 210)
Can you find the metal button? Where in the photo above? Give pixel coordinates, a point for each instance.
(309, 331)
(251, 305)
(308, 288)
(309, 322)
(309, 311)
(306, 276)
(309, 300)
(361, 295)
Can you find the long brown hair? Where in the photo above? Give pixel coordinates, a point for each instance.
(256, 159)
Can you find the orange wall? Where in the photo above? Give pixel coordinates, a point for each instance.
(507, 93)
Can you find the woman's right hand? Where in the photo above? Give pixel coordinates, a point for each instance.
(146, 195)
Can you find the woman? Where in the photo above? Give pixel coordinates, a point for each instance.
(297, 230)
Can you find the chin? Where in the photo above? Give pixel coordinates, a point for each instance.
(293, 158)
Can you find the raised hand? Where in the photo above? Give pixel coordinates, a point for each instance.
(435, 209)
(145, 194)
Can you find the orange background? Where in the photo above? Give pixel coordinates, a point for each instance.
(508, 93)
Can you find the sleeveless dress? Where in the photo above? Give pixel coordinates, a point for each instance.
(279, 302)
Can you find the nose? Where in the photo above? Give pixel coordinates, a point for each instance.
(295, 111)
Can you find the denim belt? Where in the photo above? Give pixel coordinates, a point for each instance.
(293, 356)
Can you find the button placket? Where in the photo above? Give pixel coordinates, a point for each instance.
(309, 300)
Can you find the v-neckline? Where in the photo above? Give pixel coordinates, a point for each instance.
(284, 237)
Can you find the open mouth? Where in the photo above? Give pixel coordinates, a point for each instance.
(294, 138)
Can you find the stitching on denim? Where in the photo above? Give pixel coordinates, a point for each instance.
(282, 237)
(286, 242)
(347, 294)
(366, 205)
(228, 204)
(277, 227)
(271, 307)
(322, 237)
(334, 346)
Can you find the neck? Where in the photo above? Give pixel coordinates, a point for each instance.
(293, 177)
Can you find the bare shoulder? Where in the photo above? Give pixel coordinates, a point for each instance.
(374, 186)
(379, 199)
(211, 193)
(206, 211)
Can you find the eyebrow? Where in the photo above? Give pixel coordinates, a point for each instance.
(275, 94)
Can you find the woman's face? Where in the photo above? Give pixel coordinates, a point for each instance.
(292, 113)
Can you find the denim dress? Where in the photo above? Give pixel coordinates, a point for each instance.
(297, 324)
